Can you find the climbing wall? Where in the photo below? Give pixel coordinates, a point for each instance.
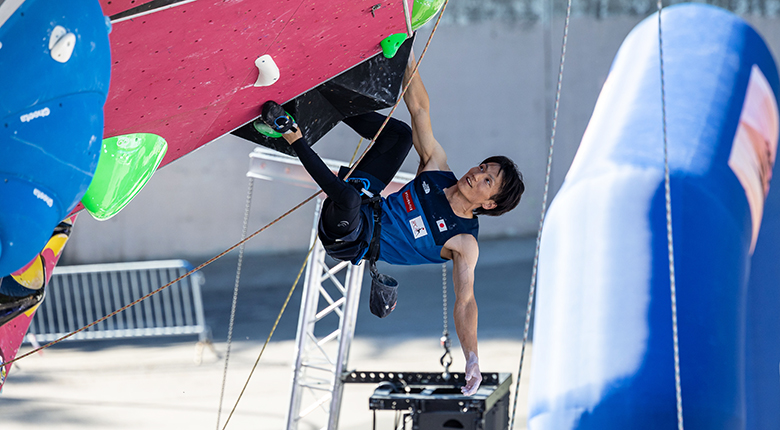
(185, 70)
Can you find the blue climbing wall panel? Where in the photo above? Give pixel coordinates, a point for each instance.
(55, 62)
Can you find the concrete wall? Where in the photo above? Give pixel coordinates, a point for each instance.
(491, 82)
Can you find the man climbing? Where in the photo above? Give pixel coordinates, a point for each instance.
(430, 220)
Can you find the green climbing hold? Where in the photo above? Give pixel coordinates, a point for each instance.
(390, 44)
(125, 165)
(265, 130)
(423, 11)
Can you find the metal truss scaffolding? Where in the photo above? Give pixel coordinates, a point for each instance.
(326, 325)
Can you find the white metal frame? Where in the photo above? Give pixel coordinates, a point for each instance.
(328, 314)
(80, 294)
(322, 344)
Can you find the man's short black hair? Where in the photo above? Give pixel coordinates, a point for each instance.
(512, 187)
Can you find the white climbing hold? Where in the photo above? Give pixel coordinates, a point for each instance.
(268, 71)
(56, 35)
(61, 44)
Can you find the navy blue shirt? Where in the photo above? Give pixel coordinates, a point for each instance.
(418, 220)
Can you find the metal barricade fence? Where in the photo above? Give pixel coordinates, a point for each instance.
(79, 295)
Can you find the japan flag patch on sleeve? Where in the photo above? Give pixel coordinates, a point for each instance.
(442, 225)
(418, 227)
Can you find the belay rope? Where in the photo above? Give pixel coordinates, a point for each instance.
(268, 339)
(248, 238)
(445, 335)
(354, 166)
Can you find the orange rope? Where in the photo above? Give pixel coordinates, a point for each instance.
(213, 259)
(400, 97)
(223, 253)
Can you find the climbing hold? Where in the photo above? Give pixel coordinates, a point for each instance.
(265, 130)
(126, 163)
(423, 11)
(61, 44)
(390, 44)
(56, 35)
(268, 71)
(50, 147)
(279, 119)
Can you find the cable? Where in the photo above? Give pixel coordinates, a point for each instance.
(354, 165)
(669, 237)
(135, 302)
(544, 210)
(446, 359)
(235, 296)
(223, 253)
(268, 339)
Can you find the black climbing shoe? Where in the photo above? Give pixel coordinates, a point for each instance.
(274, 116)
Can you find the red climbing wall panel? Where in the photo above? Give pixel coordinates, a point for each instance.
(187, 72)
(113, 7)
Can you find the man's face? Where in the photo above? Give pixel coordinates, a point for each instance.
(480, 183)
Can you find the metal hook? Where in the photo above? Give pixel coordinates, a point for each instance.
(446, 358)
(446, 364)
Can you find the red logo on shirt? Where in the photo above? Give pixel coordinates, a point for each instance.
(408, 202)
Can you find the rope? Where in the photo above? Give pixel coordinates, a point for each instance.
(544, 210)
(403, 91)
(268, 339)
(135, 302)
(354, 154)
(279, 218)
(371, 143)
(235, 296)
(669, 237)
(352, 169)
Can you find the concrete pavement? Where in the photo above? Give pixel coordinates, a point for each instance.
(155, 383)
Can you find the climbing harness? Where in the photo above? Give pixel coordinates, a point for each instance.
(354, 165)
(544, 211)
(384, 288)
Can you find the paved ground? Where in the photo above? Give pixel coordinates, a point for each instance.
(156, 384)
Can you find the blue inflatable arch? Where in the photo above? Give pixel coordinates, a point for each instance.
(603, 351)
